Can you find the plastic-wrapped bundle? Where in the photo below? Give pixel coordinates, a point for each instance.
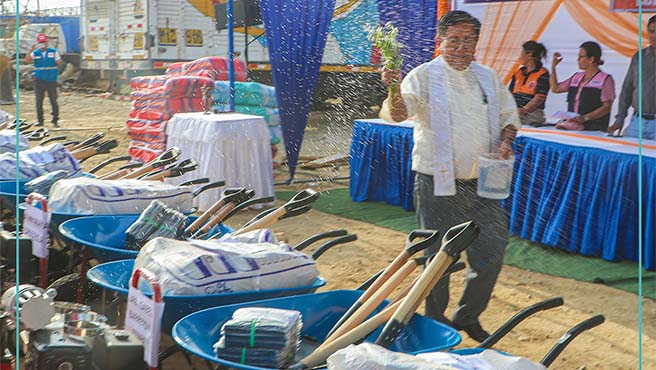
(42, 184)
(105, 197)
(271, 115)
(147, 82)
(144, 151)
(169, 106)
(147, 130)
(211, 267)
(258, 336)
(176, 87)
(246, 93)
(157, 220)
(8, 141)
(215, 68)
(38, 161)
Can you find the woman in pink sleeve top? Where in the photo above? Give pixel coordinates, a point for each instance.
(590, 93)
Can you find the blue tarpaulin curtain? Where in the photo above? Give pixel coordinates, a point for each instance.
(417, 24)
(296, 33)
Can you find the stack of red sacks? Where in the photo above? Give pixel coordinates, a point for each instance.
(155, 99)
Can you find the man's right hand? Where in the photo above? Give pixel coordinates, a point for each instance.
(390, 75)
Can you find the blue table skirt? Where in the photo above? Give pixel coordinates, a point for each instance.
(583, 200)
(381, 162)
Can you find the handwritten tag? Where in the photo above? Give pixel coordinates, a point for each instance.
(143, 318)
(35, 225)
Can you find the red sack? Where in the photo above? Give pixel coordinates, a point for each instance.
(216, 68)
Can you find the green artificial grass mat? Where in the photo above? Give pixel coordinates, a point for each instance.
(520, 253)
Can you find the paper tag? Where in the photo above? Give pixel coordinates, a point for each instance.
(143, 318)
(35, 225)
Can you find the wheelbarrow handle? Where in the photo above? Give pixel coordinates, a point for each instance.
(569, 336)
(109, 161)
(331, 243)
(204, 188)
(315, 238)
(202, 180)
(518, 318)
(249, 203)
(52, 139)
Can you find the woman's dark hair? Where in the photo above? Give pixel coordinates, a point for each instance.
(651, 20)
(592, 50)
(456, 17)
(536, 50)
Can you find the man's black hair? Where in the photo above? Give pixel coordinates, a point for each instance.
(457, 17)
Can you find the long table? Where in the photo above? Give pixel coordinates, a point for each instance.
(579, 192)
(381, 162)
(576, 191)
(233, 147)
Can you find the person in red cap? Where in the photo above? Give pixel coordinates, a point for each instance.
(46, 70)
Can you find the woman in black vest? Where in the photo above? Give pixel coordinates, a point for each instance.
(530, 84)
(590, 93)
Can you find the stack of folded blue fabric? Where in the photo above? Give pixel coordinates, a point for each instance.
(264, 337)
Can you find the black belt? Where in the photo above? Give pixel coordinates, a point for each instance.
(648, 117)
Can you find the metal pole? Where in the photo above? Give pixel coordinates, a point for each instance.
(231, 46)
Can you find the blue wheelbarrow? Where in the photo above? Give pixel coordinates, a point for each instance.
(198, 332)
(8, 192)
(553, 353)
(115, 276)
(104, 236)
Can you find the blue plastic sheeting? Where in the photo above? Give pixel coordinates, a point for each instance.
(381, 163)
(583, 200)
(417, 24)
(296, 32)
(70, 26)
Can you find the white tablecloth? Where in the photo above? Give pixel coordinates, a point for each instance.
(227, 146)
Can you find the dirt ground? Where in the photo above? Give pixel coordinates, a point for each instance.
(612, 346)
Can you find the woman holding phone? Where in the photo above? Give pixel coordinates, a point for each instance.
(590, 92)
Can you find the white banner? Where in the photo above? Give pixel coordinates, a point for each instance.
(35, 225)
(143, 318)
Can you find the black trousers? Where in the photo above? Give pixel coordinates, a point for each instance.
(484, 256)
(40, 89)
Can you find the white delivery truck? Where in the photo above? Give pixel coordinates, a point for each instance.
(126, 38)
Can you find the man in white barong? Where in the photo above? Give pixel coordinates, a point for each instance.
(461, 110)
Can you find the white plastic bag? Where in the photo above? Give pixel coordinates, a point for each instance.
(489, 359)
(211, 267)
(368, 356)
(38, 161)
(102, 197)
(8, 141)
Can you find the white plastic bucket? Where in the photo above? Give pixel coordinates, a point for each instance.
(494, 176)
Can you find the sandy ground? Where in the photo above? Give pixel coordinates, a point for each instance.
(612, 346)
